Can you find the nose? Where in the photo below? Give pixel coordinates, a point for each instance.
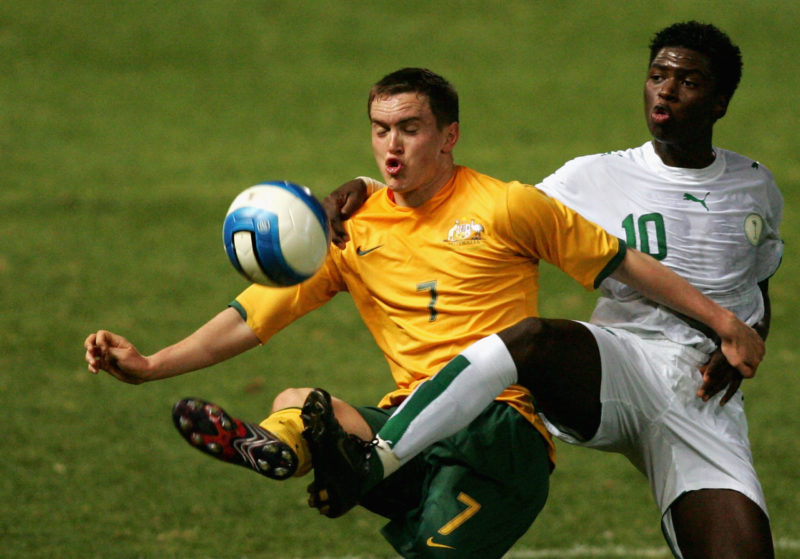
(667, 88)
(395, 142)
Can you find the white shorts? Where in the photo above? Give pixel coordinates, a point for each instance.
(652, 415)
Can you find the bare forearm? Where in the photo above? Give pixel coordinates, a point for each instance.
(664, 286)
(224, 336)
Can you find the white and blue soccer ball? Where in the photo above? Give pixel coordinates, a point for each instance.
(276, 233)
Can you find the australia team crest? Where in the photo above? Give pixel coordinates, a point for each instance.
(465, 232)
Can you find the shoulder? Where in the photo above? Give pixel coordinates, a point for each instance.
(597, 162)
(747, 171)
(471, 177)
(736, 162)
(490, 191)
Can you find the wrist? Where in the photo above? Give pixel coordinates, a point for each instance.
(154, 368)
(372, 185)
(726, 324)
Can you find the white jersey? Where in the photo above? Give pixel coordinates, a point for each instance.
(717, 227)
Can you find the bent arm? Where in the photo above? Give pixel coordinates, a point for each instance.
(742, 346)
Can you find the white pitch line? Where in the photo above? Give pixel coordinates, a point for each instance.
(581, 550)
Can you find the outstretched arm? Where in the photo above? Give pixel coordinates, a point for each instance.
(224, 336)
(740, 344)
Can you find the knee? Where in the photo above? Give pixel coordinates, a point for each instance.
(543, 336)
(530, 327)
(290, 398)
(523, 338)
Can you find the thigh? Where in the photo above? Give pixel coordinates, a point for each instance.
(484, 488)
(559, 362)
(711, 523)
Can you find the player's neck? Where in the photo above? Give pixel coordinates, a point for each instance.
(688, 156)
(414, 198)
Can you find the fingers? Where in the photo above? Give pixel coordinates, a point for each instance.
(718, 374)
(747, 370)
(105, 339)
(93, 354)
(99, 351)
(340, 205)
(333, 204)
(91, 361)
(732, 388)
(745, 357)
(352, 202)
(709, 387)
(90, 340)
(339, 236)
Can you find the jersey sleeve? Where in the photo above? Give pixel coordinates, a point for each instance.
(267, 310)
(770, 248)
(544, 228)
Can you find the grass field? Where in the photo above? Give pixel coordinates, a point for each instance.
(126, 128)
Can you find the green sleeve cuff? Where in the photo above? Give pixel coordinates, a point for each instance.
(239, 308)
(612, 265)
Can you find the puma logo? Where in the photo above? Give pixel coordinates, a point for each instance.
(702, 202)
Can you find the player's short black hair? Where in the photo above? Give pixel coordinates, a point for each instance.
(725, 57)
(440, 93)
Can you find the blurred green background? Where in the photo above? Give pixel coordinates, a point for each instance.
(126, 128)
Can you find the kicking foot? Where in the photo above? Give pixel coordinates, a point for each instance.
(208, 428)
(341, 461)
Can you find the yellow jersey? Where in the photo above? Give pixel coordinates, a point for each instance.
(431, 280)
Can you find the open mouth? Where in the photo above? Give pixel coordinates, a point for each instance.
(393, 166)
(660, 114)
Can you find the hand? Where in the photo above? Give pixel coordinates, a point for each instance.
(742, 346)
(717, 374)
(340, 205)
(106, 351)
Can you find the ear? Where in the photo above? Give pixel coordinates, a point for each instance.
(451, 137)
(720, 106)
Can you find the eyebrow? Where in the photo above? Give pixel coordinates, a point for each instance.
(399, 123)
(682, 71)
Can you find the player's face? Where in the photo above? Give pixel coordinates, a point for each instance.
(413, 154)
(680, 99)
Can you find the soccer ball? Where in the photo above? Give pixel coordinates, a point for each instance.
(276, 233)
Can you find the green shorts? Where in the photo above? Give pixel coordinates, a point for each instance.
(471, 495)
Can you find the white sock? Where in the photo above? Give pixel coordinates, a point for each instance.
(457, 399)
(391, 463)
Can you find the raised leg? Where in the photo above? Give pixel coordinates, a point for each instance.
(559, 362)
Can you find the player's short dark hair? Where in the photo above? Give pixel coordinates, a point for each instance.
(440, 93)
(725, 57)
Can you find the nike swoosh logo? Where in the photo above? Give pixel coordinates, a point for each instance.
(431, 543)
(363, 252)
